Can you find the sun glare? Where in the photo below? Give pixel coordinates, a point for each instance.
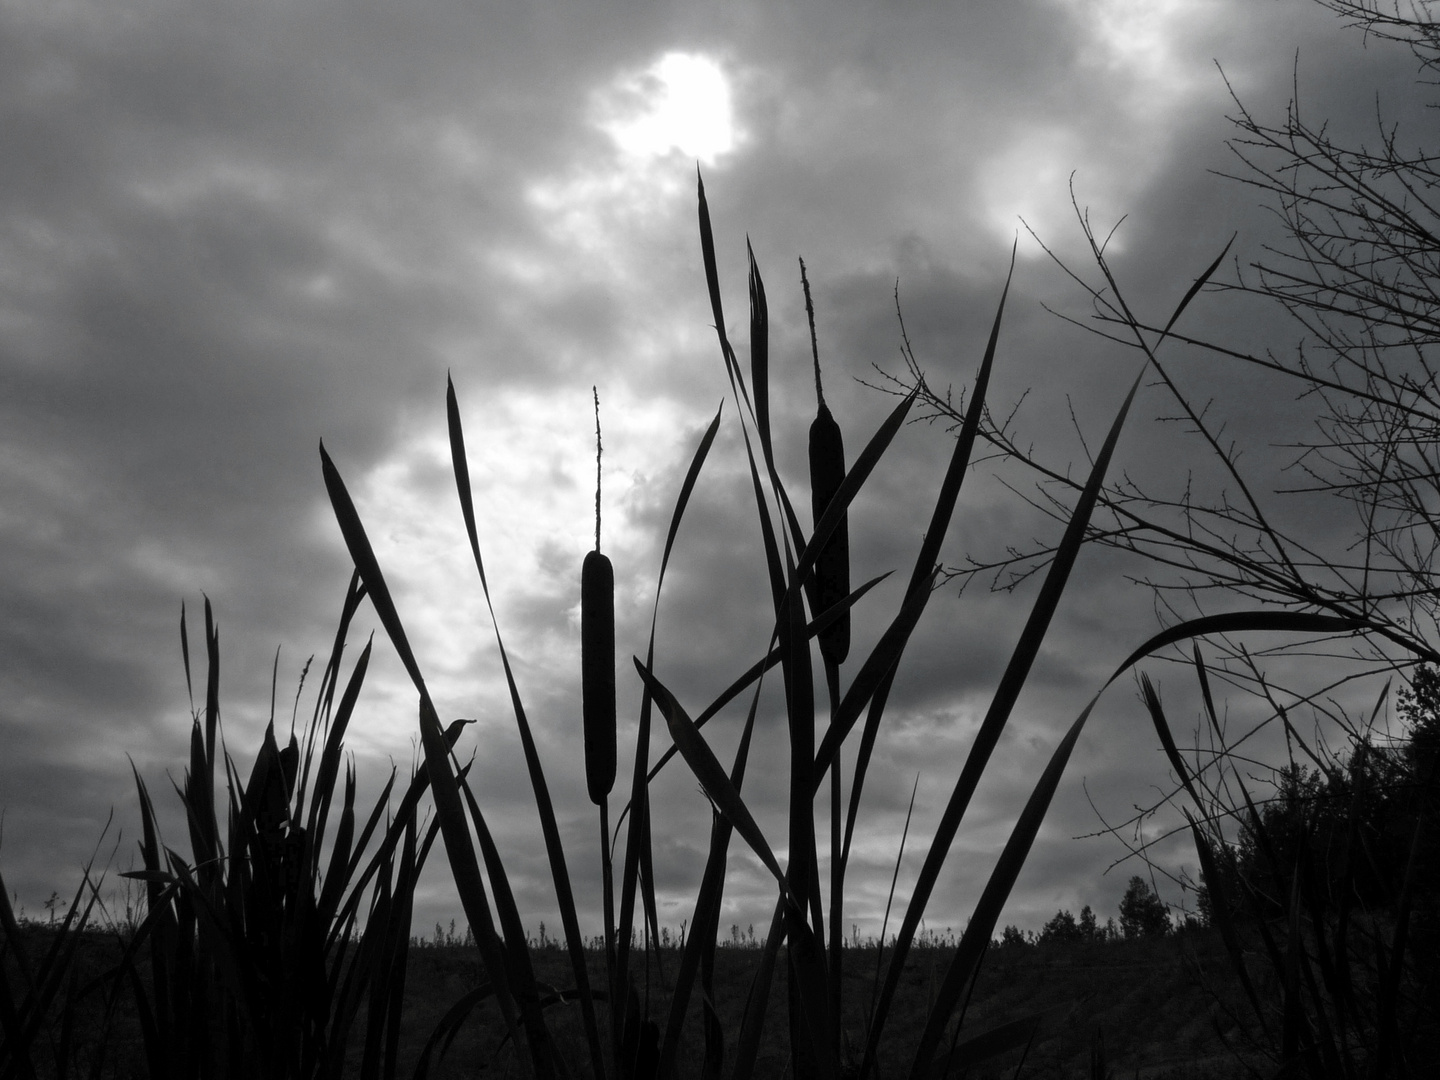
(679, 103)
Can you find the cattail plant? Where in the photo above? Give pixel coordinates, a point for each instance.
(269, 942)
(597, 702)
(832, 586)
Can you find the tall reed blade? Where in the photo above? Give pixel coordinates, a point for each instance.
(446, 790)
(549, 827)
(711, 774)
(997, 716)
(638, 808)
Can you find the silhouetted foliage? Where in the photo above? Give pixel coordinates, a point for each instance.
(1012, 937)
(1061, 930)
(1142, 912)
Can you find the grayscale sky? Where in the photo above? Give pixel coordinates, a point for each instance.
(229, 230)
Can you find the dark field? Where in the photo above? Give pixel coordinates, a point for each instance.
(1156, 1003)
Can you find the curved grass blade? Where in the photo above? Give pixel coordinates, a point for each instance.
(976, 938)
(638, 836)
(757, 669)
(448, 807)
(760, 356)
(710, 773)
(1006, 694)
(554, 849)
(757, 1001)
(997, 889)
(699, 952)
(1300, 622)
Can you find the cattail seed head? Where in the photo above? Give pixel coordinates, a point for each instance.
(832, 568)
(827, 473)
(597, 667)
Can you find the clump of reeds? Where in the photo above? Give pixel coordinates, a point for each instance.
(801, 568)
(280, 941)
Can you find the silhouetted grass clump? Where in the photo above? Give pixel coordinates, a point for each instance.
(281, 944)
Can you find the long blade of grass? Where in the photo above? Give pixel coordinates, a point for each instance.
(710, 772)
(508, 973)
(522, 971)
(332, 752)
(771, 658)
(889, 901)
(1153, 705)
(700, 945)
(1195, 288)
(1231, 622)
(757, 1000)
(760, 357)
(554, 849)
(810, 1002)
(874, 672)
(638, 836)
(923, 574)
(976, 938)
(1006, 694)
(448, 806)
(987, 911)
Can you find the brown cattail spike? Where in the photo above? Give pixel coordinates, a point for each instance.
(827, 473)
(597, 666)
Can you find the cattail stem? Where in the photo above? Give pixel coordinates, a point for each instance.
(814, 347)
(596, 393)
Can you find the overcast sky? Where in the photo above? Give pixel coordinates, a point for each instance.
(229, 230)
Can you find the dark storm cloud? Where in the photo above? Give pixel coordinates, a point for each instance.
(227, 230)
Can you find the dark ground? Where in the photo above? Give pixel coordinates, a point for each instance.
(1156, 1003)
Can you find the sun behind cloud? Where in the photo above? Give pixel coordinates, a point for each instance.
(680, 103)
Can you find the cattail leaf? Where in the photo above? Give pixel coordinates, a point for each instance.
(1153, 705)
(363, 556)
(756, 670)
(1233, 622)
(987, 910)
(710, 773)
(760, 356)
(986, 914)
(637, 807)
(757, 999)
(1199, 284)
(707, 255)
(549, 827)
(991, 727)
(877, 667)
(699, 949)
(334, 747)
